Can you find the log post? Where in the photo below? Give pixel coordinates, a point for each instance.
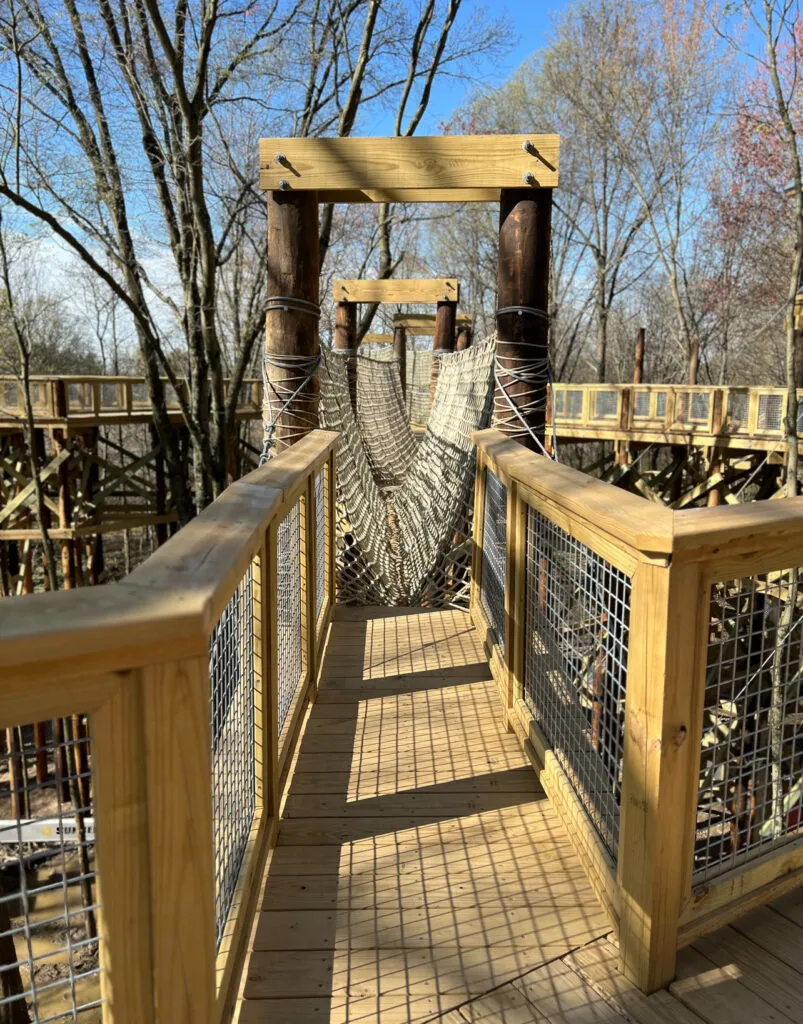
(292, 347)
(464, 338)
(522, 342)
(160, 485)
(638, 364)
(346, 344)
(443, 341)
(65, 511)
(400, 354)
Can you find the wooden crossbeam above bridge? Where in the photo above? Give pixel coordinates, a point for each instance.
(377, 339)
(426, 290)
(440, 169)
(423, 324)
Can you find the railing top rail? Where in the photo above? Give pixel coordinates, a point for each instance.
(634, 521)
(748, 522)
(103, 378)
(169, 605)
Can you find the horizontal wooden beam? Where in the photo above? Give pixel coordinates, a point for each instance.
(438, 167)
(409, 195)
(423, 324)
(427, 290)
(377, 339)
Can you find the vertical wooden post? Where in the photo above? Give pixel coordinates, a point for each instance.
(178, 764)
(309, 585)
(121, 824)
(291, 334)
(443, 341)
(331, 532)
(523, 333)
(663, 725)
(346, 344)
(400, 354)
(515, 586)
(270, 627)
(65, 509)
(638, 363)
(160, 484)
(477, 529)
(464, 338)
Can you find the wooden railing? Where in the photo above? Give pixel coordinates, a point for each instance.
(194, 674)
(655, 411)
(650, 662)
(78, 398)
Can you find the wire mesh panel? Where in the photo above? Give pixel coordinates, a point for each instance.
(699, 406)
(751, 775)
(320, 543)
(232, 681)
(49, 963)
(770, 410)
(289, 609)
(641, 404)
(738, 405)
(605, 404)
(492, 575)
(577, 620)
(660, 404)
(574, 404)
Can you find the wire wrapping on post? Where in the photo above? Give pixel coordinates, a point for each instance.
(279, 396)
(288, 303)
(535, 377)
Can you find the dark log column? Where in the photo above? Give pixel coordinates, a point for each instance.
(464, 338)
(523, 338)
(346, 344)
(291, 333)
(443, 341)
(400, 354)
(638, 365)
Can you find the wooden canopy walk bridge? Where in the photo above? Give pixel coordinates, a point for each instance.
(578, 799)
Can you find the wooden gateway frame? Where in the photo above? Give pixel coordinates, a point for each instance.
(518, 171)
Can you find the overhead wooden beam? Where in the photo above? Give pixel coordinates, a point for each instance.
(377, 339)
(427, 290)
(410, 195)
(423, 324)
(437, 169)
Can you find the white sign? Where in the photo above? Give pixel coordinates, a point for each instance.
(44, 830)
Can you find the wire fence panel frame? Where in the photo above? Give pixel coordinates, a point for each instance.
(48, 903)
(234, 783)
(750, 799)
(577, 624)
(494, 555)
(321, 566)
(290, 638)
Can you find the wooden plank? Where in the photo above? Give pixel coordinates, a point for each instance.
(121, 828)
(178, 765)
(776, 934)
(397, 290)
(506, 1005)
(409, 195)
(423, 324)
(597, 964)
(564, 997)
(416, 162)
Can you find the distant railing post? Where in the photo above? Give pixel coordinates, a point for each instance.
(661, 763)
(178, 767)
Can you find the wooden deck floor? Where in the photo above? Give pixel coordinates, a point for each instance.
(420, 873)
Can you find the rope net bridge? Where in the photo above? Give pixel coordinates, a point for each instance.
(404, 506)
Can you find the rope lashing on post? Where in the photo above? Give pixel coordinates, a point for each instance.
(279, 396)
(289, 304)
(533, 381)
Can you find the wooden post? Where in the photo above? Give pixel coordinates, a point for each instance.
(663, 725)
(400, 354)
(65, 511)
(523, 335)
(443, 341)
(309, 572)
(464, 338)
(291, 335)
(160, 485)
(346, 344)
(638, 364)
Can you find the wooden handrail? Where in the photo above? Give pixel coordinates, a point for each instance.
(657, 584)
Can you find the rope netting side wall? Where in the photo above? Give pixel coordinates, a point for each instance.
(389, 443)
(410, 547)
(419, 374)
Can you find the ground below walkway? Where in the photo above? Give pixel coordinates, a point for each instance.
(420, 873)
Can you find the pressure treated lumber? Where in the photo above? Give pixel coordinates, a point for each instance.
(423, 324)
(444, 163)
(425, 290)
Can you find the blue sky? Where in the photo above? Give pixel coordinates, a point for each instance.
(531, 19)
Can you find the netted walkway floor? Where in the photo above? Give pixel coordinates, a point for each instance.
(421, 874)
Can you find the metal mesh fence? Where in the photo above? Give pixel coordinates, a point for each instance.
(320, 543)
(660, 404)
(641, 404)
(751, 775)
(289, 609)
(699, 406)
(49, 963)
(738, 406)
(770, 411)
(492, 574)
(231, 676)
(577, 620)
(605, 404)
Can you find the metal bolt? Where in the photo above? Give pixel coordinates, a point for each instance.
(280, 158)
(528, 147)
(529, 179)
(284, 185)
